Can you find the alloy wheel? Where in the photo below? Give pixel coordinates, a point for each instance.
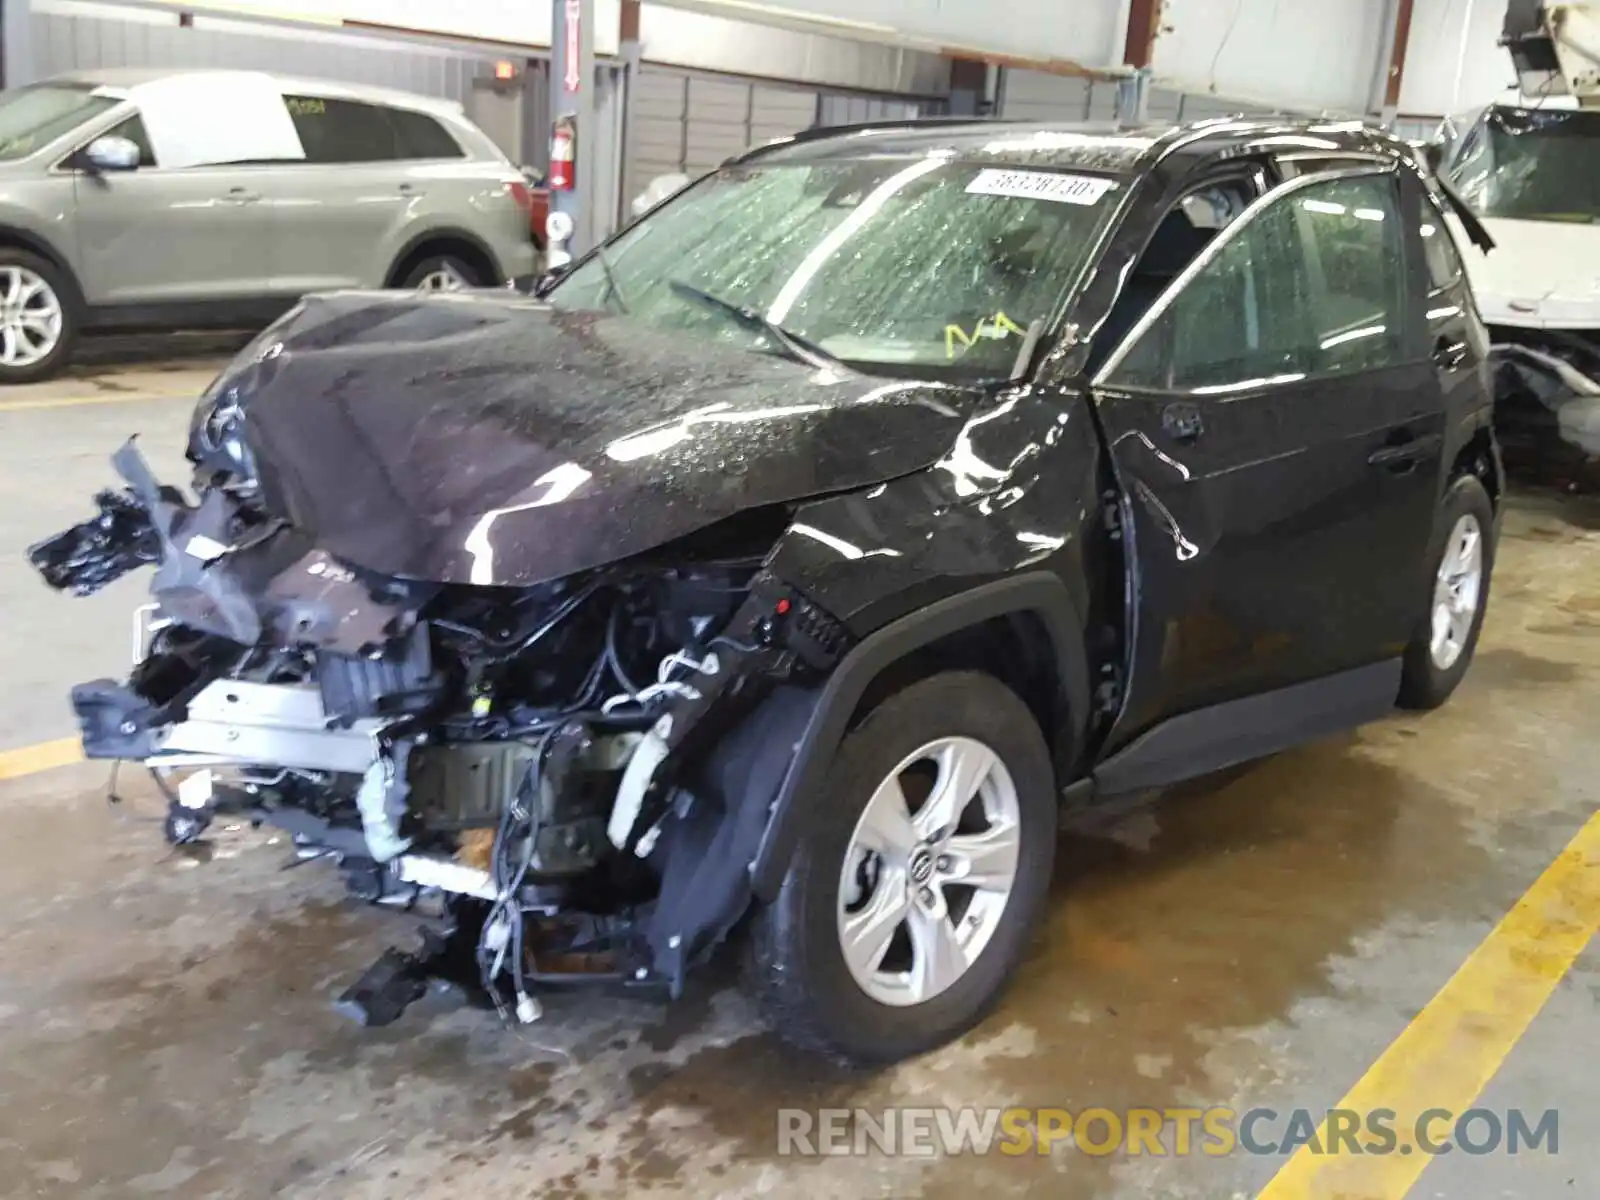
(929, 870)
(1456, 590)
(443, 278)
(30, 317)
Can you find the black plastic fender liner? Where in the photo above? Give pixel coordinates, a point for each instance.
(705, 847)
(1039, 593)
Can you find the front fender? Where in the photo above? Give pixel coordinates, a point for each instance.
(1041, 594)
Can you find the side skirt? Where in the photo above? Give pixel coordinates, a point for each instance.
(1209, 739)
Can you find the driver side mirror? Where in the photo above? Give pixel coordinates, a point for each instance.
(112, 153)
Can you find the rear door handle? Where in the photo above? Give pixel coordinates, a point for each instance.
(1402, 456)
(1449, 353)
(1182, 421)
(240, 195)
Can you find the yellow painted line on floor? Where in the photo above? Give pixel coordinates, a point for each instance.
(42, 756)
(108, 398)
(1454, 1046)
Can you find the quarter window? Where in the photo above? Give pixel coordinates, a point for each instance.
(1313, 284)
(420, 136)
(342, 131)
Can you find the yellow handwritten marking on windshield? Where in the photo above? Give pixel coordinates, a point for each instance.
(997, 326)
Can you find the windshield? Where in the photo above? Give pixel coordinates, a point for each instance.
(1530, 164)
(923, 268)
(33, 117)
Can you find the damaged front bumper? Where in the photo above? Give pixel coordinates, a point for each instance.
(455, 750)
(1547, 397)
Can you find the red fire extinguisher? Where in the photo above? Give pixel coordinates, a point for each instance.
(563, 150)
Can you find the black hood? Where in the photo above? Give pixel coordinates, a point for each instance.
(490, 439)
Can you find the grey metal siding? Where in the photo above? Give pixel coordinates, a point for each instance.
(65, 42)
(689, 123)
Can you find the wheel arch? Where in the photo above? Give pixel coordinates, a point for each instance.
(445, 239)
(1039, 597)
(1480, 456)
(14, 237)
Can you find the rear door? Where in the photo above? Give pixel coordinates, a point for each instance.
(1275, 424)
(333, 215)
(159, 236)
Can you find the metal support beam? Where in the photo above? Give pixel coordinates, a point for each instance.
(1400, 41)
(1133, 98)
(16, 30)
(969, 84)
(1144, 22)
(572, 84)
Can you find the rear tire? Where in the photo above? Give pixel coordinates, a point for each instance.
(1461, 561)
(893, 1004)
(443, 273)
(38, 317)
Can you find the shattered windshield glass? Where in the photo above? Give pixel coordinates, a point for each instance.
(1530, 164)
(925, 267)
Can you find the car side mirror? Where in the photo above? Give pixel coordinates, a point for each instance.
(112, 153)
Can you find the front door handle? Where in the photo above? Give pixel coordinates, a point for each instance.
(1182, 422)
(240, 195)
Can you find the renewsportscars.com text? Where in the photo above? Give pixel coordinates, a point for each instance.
(1162, 1132)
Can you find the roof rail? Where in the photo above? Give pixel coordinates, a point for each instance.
(818, 132)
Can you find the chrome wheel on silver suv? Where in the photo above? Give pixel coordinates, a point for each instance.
(36, 317)
(30, 317)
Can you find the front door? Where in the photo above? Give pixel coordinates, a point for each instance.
(1276, 425)
(156, 236)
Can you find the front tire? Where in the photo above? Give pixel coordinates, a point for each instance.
(910, 901)
(1461, 559)
(38, 322)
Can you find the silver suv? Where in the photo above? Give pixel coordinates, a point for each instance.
(150, 200)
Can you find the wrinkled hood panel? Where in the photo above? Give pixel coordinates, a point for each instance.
(490, 439)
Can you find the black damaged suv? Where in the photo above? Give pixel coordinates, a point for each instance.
(797, 555)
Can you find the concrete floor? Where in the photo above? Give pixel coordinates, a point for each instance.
(1252, 940)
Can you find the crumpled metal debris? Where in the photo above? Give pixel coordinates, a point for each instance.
(86, 557)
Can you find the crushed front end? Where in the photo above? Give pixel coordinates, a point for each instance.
(1547, 402)
(568, 779)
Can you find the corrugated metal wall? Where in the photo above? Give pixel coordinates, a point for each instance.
(65, 41)
(689, 123)
(1036, 96)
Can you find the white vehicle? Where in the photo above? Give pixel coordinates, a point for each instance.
(1529, 167)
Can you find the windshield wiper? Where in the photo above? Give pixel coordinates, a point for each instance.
(613, 288)
(799, 348)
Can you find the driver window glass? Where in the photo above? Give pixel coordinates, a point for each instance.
(1314, 284)
(133, 129)
(1358, 262)
(1239, 321)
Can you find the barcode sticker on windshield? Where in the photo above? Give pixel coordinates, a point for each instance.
(1041, 185)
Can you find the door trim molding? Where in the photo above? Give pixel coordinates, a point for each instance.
(1223, 735)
